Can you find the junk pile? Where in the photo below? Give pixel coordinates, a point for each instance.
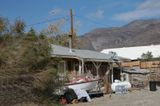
(73, 96)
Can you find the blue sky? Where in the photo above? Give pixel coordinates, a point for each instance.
(88, 14)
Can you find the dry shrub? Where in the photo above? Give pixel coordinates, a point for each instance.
(27, 74)
(42, 78)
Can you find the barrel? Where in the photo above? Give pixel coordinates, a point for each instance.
(158, 83)
(152, 85)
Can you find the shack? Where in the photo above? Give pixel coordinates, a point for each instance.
(81, 62)
(136, 75)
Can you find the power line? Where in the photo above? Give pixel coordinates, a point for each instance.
(64, 17)
(46, 21)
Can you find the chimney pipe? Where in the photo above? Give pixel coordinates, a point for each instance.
(70, 43)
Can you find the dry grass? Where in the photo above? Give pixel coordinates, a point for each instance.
(20, 83)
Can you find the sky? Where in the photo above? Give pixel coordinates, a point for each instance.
(87, 14)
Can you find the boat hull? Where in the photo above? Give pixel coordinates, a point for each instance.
(88, 85)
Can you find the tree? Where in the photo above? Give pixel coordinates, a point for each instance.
(4, 23)
(147, 55)
(62, 40)
(37, 54)
(31, 35)
(42, 35)
(113, 55)
(18, 27)
(53, 29)
(31, 32)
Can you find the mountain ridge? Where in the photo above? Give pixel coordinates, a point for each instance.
(135, 33)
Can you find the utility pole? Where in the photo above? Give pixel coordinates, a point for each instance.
(71, 31)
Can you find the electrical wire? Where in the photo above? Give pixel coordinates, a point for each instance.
(46, 21)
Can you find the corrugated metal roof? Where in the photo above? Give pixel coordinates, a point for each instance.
(88, 55)
(136, 71)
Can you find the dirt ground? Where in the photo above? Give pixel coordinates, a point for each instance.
(134, 98)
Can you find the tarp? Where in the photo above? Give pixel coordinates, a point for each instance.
(82, 93)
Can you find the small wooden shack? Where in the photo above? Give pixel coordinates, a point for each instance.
(82, 62)
(153, 65)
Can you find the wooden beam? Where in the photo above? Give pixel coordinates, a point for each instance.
(97, 65)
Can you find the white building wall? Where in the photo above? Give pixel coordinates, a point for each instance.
(135, 52)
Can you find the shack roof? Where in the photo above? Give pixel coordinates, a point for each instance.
(136, 70)
(87, 55)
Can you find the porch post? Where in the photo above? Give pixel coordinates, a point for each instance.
(107, 79)
(65, 68)
(112, 72)
(97, 67)
(82, 67)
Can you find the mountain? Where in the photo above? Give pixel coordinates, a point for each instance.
(136, 33)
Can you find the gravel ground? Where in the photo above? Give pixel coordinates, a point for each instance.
(134, 98)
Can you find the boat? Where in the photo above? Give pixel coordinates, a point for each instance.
(87, 85)
(84, 85)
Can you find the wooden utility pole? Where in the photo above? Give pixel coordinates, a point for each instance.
(71, 29)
